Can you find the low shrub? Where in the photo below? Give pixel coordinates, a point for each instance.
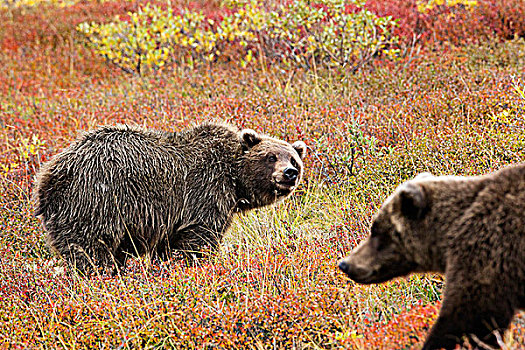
(295, 34)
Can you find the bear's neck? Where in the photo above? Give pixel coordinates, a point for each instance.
(250, 192)
(450, 203)
(246, 196)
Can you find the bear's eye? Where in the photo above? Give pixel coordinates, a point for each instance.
(294, 163)
(374, 230)
(272, 158)
(381, 242)
(397, 235)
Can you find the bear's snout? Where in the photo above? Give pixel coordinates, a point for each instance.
(343, 266)
(286, 178)
(290, 173)
(355, 272)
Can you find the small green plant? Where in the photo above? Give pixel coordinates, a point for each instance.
(353, 150)
(357, 145)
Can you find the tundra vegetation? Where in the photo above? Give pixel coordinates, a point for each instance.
(379, 91)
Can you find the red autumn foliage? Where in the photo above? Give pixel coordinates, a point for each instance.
(451, 107)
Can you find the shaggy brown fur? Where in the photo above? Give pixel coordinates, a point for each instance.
(122, 190)
(472, 229)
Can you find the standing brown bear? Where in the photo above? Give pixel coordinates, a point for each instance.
(125, 190)
(472, 229)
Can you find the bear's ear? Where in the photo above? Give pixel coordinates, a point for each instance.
(250, 138)
(300, 147)
(413, 201)
(423, 175)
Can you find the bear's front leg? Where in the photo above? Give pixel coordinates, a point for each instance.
(470, 309)
(195, 239)
(191, 240)
(445, 334)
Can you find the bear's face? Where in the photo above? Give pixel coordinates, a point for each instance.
(397, 240)
(272, 168)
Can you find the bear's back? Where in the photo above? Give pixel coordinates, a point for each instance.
(109, 162)
(135, 165)
(494, 227)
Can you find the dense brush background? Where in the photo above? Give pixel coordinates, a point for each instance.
(451, 101)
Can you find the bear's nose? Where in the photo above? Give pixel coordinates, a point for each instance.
(290, 173)
(343, 265)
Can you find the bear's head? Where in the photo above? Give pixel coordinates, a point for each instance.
(408, 233)
(271, 168)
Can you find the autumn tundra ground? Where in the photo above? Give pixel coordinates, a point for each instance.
(439, 86)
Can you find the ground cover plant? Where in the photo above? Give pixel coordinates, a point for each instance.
(450, 99)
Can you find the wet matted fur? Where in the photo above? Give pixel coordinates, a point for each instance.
(121, 190)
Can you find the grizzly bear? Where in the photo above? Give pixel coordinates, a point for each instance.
(125, 190)
(472, 229)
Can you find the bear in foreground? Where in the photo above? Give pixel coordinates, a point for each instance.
(125, 190)
(472, 229)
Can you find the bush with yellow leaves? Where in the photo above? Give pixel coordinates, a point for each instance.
(296, 34)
